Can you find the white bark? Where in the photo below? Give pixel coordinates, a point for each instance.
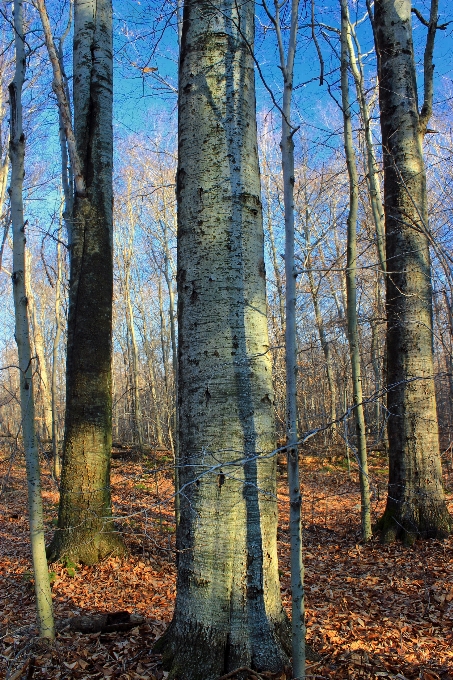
(17, 155)
(295, 498)
(374, 188)
(63, 103)
(351, 282)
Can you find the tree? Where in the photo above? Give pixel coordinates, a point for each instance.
(22, 333)
(295, 497)
(85, 530)
(416, 503)
(351, 280)
(228, 608)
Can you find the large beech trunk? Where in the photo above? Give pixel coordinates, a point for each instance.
(416, 504)
(85, 530)
(228, 607)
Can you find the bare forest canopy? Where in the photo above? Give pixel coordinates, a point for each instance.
(226, 281)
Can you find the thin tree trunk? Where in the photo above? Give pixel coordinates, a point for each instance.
(416, 502)
(56, 342)
(85, 530)
(22, 331)
(44, 385)
(374, 188)
(135, 364)
(228, 610)
(4, 157)
(138, 420)
(351, 282)
(151, 378)
(171, 298)
(295, 498)
(325, 344)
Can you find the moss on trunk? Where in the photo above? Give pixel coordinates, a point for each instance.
(85, 529)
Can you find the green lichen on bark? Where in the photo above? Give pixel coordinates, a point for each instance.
(85, 530)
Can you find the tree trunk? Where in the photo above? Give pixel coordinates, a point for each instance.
(351, 282)
(134, 366)
(44, 386)
(171, 299)
(56, 459)
(22, 333)
(85, 530)
(416, 503)
(325, 344)
(292, 450)
(228, 607)
(374, 188)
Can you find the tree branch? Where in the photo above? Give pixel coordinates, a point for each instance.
(428, 68)
(315, 40)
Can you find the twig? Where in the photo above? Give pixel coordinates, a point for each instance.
(243, 669)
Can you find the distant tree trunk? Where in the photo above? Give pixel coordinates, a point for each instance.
(43, 382)
(174, 353)
(374, 188)
(22, 333)
(351, 282)
(4, 157)
(228, 608)
(85, 530)
(134, 366)
(416, 503)
(151, 379)
(56, 460)
(325, 344)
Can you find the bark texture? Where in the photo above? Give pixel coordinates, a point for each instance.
(416, 503)
(22, 334)
(85, 530)
(228, 608)
(351, 281)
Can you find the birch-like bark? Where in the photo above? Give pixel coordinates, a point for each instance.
(416, 502)
(22, 332)
(228, 607)
(295, 497)
(374, 188)
(351, 280)
(85, 530)
(60, 89)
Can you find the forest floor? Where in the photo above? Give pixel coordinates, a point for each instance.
(373, 611)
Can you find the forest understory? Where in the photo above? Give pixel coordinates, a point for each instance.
(373, 611)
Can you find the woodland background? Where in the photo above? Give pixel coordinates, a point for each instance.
(414, 640)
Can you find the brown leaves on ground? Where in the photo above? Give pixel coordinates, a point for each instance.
(373, 611)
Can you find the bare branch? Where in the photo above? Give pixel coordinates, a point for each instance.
(315, 40)
(63, 104)
(428, 69)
